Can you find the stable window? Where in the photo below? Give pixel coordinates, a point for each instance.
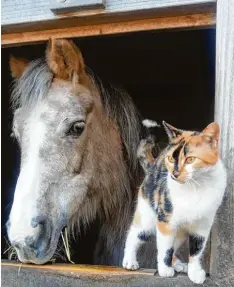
(170, 76)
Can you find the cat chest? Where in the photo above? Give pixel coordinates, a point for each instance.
(191, 207)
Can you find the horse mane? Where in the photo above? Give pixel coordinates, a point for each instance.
(119, 106)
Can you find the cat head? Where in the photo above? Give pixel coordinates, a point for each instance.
(189, 153)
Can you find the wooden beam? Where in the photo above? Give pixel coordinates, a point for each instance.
(185, 21)
(31, 13)
(16, 274)
(79, 268)
(222, 248)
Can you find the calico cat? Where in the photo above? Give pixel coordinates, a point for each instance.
(181, 192)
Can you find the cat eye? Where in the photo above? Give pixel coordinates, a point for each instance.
(190, 159)
(171, 159)
(76, 129)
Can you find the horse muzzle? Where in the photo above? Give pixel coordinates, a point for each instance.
(35, 244)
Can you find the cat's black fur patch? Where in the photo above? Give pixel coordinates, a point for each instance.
(167, 204)
(168, 257)
(186, 150)
(150, 186)
(161, 215)
(144, 236)
(196, 243)
(176, 154)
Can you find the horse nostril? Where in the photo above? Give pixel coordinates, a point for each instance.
(32, 244)
(29, 241)
(37, 220)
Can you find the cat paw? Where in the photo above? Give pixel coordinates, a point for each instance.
(130, 264)
(197, 275)
(180, 266)
(165, 271)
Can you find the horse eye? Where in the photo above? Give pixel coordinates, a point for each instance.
(171, 159)
(190, 159)
(76, 129)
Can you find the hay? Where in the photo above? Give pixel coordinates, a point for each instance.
(66, 245)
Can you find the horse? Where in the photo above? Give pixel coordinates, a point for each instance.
(79, 164)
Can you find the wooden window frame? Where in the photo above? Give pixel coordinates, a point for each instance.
(222, 237)
(168, 15)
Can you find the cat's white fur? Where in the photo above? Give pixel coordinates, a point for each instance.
(200, 200)
(194, 207)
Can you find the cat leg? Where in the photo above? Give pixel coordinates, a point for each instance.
(165, 243)
(142, 227)
(177, 264)
(197, 243)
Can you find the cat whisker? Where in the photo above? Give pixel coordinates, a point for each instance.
(190, 183)
(195, 182)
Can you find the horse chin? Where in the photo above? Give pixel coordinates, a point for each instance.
(41, 259)
(43, 255)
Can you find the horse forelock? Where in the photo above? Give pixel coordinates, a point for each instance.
(33, 86)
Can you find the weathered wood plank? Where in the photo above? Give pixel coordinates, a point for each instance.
(222, 249)
(30, 15)
(22, 275)
(195, 20)
(79, 268)
(17, 11)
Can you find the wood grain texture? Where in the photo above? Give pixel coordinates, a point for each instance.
(22, 275)
(195, 20)
(222, 249)
(17, 11)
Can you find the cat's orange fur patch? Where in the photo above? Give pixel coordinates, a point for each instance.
(164, 228)
(156, 196)
(202, 146)
(149, 157)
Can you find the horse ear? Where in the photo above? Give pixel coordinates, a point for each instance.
(17, 66)
(171, 131)
(65, 60)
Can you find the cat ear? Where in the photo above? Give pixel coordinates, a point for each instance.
(17, 66)
(211, 134)
(171, 131)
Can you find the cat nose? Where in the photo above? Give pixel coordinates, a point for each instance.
(175, 174)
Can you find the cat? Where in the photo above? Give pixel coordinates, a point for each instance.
(183, 187)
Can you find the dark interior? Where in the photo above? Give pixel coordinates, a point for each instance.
(169, 75)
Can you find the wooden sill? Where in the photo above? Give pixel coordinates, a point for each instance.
(68, 275)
